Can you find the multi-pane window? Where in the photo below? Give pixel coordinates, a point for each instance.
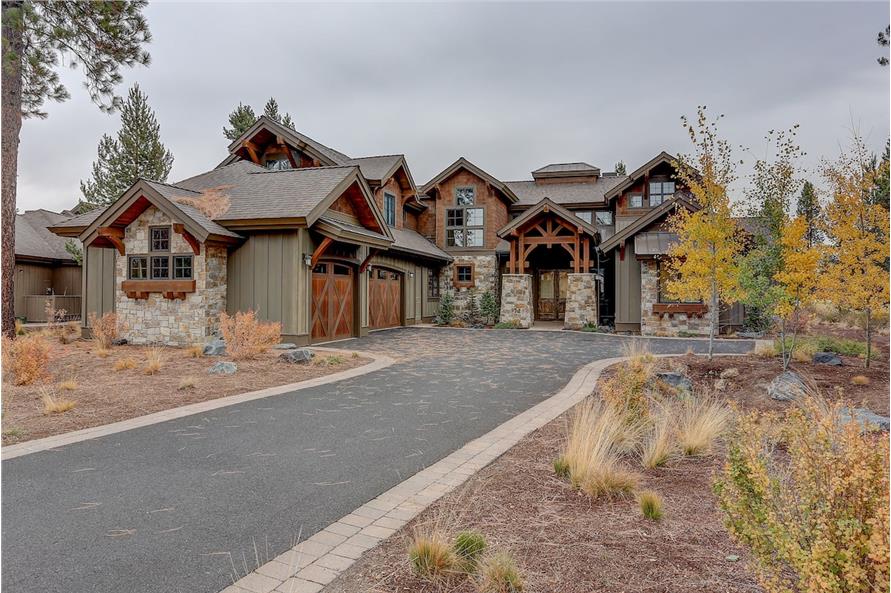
(182, 267)
(278, 164)
(584, 215)
(635, 201)
(465, 196)
(604, 217)
(390, 209)
(432, 284)
(464, 227)
(463, 275)
(160, 239)
(160, 267)
(137, 267)
(660, 191)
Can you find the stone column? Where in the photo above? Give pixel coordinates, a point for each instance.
(516, 299)
(581, 301)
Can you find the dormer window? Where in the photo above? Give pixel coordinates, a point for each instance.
(390, 209)
(278, 164)
(660, 191)
(465, 196)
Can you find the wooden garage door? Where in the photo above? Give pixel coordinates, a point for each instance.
(384, 299)
(332, 301)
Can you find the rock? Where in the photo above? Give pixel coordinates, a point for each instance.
(676, 381)
(867, 419)
(721, 385)
(297, 356)
(216, 347)
(732, 558)
(830, 358)
(730, 373)
(284, 346)
(119, 342)
(750, 335)
(786, 387)
(223, 368)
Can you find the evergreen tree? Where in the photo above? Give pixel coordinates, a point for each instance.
(879, 172)
(621, 169)
(271, 111)
(883, 39)
(137, 152)
(810, 211)
(240, 119)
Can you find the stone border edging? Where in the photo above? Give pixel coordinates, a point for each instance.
(378, 362)
(576, 331)
(315, 562)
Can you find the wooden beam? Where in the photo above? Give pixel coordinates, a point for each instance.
(320, 250)
(180, 229)
(115, 236)
(521, 254)
(367, 261)
(252, 151)
(512, 262)
(575, 256)
(291, 158)
(586, 256)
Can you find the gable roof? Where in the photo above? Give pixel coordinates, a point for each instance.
(646, 220)
(412, 243)
(662, 157)
(530, 192)
(546, 206)
(378, 168)
(463, 163)
(565, 170)
(325, 154)
(34, 240)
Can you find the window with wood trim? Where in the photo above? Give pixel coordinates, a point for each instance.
(160, 267)
(465, 196)
(463, 275)
(660, 191)
(182, 267)
(159, 238)
(584, 215)
(635, 200)
(137, 267)
(432, 284)
(604, 218)
(390, 209)
(664, 277)
(464, 227)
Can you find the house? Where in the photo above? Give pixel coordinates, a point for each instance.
(44, 270)
(332, 246)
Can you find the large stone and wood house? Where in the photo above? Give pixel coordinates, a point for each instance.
(333, 247)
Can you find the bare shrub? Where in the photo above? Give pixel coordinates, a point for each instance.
(104, 329)
(26, 358)
(124, 363)
(188, 382)
(154, 360)
(195, 351)
(57, 326)
(246, 337)
(701, 420)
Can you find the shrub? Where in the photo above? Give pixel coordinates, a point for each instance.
(507, 325)
(815, 515)
(701, 420)
(246, 337)
(472, 315)
(195, 351)
(187, 382)
(26, 358)
(446, 312)
(430, 556)
(860, 380)
(499, 574)
(53, 404)
(19, 327)
(68, 385)
(627, 388)
(561, 468)
(104, 329)
(650, 505)
(103, 352)
(468, 548)
(57, 327)
(808, 345)
(124, 363)
(329, 361)
(658, 443)
(154, 360)
(488, 307)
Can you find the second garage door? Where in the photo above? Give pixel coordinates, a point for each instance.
(384, 299)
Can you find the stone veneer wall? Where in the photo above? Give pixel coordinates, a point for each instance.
(664, 324)
(516, 299)
(172, 322)
(485, 277)
(581, 301)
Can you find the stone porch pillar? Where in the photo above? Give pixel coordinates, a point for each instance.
(581, 301)
(516, 299)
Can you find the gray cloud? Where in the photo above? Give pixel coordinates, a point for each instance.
(510, 86)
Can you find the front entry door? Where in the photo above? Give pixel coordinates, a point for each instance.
(332, 301)
(551, 303)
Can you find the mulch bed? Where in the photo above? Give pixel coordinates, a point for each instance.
(564, 542)
(104, 395)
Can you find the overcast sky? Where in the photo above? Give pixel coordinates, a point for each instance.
(510, 86)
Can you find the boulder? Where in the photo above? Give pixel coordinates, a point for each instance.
(721, 385)
(787, 387)
(676, 381)
(223, 368)
(216, 347)
(297, 356)
(830, 358)
(730, 373)
(867, 419)
(284, 346)
(119, 342)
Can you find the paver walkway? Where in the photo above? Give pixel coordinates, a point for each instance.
(187, 504)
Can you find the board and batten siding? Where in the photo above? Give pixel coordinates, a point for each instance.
(98, 283)
(627, 287)
(265, 274)
(30, 279)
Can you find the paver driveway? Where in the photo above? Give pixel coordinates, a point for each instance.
(182, 505)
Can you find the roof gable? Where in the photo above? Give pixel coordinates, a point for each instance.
(546, 206)
(266, 130)
(645, 221)
(464, 164)
(662, 157)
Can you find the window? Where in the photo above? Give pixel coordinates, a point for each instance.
(464, 275)
(464, 227)
(464, 196)
(635, 201)
(278, 164)
(182, 267)
(137, 268)
(390, 209)
(605, 218)
(665, 276)
(660, 191)
(160, 267)
(584, 215)
(432, 284)
(160, 239)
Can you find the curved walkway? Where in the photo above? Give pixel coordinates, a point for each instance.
(184, 504)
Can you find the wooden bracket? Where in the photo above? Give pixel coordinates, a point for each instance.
(320, 250)
(252, 151)
(180, 228)
(115, 236)
(367, 261)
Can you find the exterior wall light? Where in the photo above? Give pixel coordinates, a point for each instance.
(307, 259)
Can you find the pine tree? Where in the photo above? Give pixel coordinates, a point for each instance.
(240, 119)
(271, 111)
(137, 152)
(809, 210)
(621, 169)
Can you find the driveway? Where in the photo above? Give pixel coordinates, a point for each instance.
(186, 504)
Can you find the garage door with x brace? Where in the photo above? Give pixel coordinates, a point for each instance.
(332, 301)
(384, 299)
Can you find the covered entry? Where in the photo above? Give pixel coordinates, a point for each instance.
(384, 299)
(332, 301)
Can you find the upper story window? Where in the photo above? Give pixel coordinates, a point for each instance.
(584, 215)
(159, 239)
(278, 164)
(604, 218)
(464, 227)
(660, 191)
(465, 196)
(635, 200)
(390, 209)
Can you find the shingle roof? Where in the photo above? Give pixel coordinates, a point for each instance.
(530, 192)
(173, 194)
(409, 241)
(33, 239)
(376, 167)
(566, 170)
(335, 156)
(81, 220)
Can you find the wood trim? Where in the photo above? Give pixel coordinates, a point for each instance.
(114, 235)
(252, 151)
(689, 308)
(365, 262)
(320, 250)
(171, 289)
(180, 229)
(455, 280)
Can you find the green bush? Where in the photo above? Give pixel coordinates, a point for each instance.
(650, 505)
(488, 307)
(507, 325)
(446, 309)
(469, 547)
(808, 345)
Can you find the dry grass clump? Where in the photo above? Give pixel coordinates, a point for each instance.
(124, 363)
(430, 555)
(498, 573)
(26, 358)
(68, 384)
(195, 351)
(860, 380)
(53, 404)
(188, 382)
(103, 352)
(468, 548)
(627, 388)
(701, 420)
(154, 360)
(329, 361)
(650, 505)
(246, 337)
(763, 350)
(104, 329)
(658, 444)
